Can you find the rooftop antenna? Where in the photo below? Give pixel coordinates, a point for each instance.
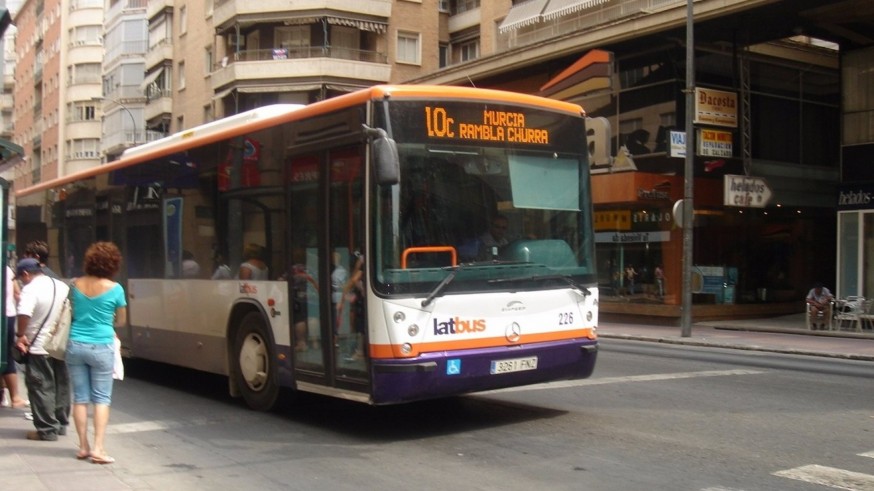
(471, 82)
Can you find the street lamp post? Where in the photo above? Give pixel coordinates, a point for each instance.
(689, 176)
(133, 120)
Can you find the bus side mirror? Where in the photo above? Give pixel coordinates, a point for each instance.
(384, 155)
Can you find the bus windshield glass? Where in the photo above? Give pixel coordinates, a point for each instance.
(492, 198)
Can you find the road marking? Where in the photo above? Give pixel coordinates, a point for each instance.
(867, 454)
(656, 377)
(831, 477)
(159, 425)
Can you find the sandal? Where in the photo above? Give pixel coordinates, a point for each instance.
(102, 460)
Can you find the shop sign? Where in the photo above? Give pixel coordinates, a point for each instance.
(613, 220)
(678, 144)
(632, 237)
(856, 198)
(708, 279)
(747, 192)
(715, 107)
(715, 143)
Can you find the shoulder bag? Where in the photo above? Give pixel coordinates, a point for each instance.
(56, 340)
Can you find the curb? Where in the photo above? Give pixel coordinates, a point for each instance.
(746, 347)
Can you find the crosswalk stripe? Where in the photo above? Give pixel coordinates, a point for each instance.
(831, 477)
(632, 378)
(867, 454)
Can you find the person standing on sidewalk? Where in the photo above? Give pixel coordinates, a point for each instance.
(46, 379)
(10, 374)
(39, 250)
(99, 304)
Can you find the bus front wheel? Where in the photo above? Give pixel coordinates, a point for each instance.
(256, 367)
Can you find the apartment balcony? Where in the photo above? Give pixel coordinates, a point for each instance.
(155, 7)
(558, 18)
(116, 141)
(160, 104)
(283, 66)
(226, 13)
(158, 54)
(464, 20)
(76, 130)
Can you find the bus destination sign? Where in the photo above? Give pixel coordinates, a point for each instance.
(487, 125)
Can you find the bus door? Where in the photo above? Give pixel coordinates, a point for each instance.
(328, 305)
(347, 270)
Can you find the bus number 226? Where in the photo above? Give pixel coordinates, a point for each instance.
(565, 318)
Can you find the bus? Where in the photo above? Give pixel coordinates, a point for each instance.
(365, 217)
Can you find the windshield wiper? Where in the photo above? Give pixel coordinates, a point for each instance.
(442, 285)
(549, 277)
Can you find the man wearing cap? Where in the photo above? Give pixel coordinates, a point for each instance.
(46, 379)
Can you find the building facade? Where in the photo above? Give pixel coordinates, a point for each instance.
(782, 101)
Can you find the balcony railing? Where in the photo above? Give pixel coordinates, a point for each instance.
(280, 54)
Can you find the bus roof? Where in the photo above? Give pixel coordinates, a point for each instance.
(267, 116)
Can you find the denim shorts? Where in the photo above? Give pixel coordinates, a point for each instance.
(90, 366)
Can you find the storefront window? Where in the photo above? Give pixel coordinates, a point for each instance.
(848, 257)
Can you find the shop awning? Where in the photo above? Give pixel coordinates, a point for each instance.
(523, 14)
(150, 79)
(5, 20)
(222, 94)
(559, 8)
(9, 150)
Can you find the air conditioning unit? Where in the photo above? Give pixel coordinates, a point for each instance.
(234, 41)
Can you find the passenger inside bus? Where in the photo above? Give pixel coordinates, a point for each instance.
(253, 267)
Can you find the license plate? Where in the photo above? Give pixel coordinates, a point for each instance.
(514, 365)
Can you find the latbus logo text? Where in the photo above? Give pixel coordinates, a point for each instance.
(456, 325)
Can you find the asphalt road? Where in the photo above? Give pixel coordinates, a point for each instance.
(652, 417)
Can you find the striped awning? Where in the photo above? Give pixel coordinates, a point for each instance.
(364, 25)
(559, 8)
(523, 14)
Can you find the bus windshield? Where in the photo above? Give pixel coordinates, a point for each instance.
(485, 213)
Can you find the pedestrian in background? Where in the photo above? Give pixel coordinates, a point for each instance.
(99, 304)
(39, 250)
(46, 379)
(10, 374)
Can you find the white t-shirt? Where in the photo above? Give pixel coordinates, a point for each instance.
(36, 302)
(10, 293)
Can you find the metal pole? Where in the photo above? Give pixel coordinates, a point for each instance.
(689, 176)
(133, 120)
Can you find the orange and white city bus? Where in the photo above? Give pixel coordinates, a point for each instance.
(366, 218)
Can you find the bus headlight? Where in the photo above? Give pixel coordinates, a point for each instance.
(399, 317)
(589, 316)
(406, 348)
(413, 330)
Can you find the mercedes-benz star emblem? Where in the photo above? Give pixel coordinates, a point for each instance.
(514, 332)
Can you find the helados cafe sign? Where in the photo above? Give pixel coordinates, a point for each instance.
(856, 197)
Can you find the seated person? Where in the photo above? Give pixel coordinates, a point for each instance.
(819, 301)
(496, 235)
(494, 238)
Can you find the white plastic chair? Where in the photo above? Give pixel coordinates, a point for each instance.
(814, 318)
(849, 312)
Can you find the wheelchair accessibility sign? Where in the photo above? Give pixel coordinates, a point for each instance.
(453, 367)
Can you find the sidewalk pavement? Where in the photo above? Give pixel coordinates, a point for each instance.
(50, 466)
(784, 334)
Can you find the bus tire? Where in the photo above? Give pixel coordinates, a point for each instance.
(255, 360)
